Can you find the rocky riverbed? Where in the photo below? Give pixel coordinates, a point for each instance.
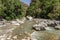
(30, 29)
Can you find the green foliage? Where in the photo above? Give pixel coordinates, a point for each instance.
(11, 9)
(44, 8)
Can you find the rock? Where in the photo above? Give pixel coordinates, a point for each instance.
(20, 34)
(9, 37)
(4, 20)
(57, 27)
(38, 27)
(49, 28)
(15, 37)
(57, 22)
(19, 21)
(26, 38)
(15, 23)
(3, 37)
(29, 18)
(37, 22)
(34, 35)
(43, 24)
(24, 18)
(33, 39)
(35, 26)
(2, 25)
(23, 39)
(51, 23)
(26, 33)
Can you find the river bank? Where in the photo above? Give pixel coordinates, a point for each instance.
(23, 29)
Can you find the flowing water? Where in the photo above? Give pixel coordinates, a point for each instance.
(21, 31)
(26, 27)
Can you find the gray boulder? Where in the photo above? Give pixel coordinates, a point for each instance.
(38, 27)
(57, 22)
(57, 27)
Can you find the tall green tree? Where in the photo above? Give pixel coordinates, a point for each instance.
(11, 9)
(44, 8)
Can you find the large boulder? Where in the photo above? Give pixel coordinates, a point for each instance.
(57, 22)
(43, 24)
(38, 27)
(57, 27)
(51, 23)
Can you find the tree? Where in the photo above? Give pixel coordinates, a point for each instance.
(11, 9)
(44, 8)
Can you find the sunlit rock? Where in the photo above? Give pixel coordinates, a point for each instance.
(36, 27)
(26, 33)
(9, 37)
(49, 28)
(26, 38)
(15, 37)
(40, 26)
(57, 27)
(2, 24)
(57, 22)
(29, 18)
(34, 35)
(43, 24)
(23, 39)
(24, 18)
(51, 23)
(3, 37)
(20, 21)
(14, 23)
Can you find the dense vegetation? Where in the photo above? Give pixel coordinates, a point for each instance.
(44, 9)
(11, 9)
